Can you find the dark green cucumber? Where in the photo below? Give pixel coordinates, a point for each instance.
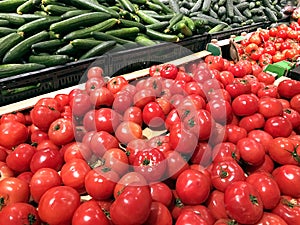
(259, 18)
(215, 7)
(247, 22)
(71, 24)
(270, 14)
(98, 50)
(257, 11)
(144, 40)
(49, 60)
(37, 2)
(153, 6)
(18, 68)
(141, 2)
(130, 23)
(267, 4)
(206, 6)
(221, 2)
(237, 12)
(158, 26)
(47, 46)
(24, 47)
(127, 5)
(52, 2)
(75, 12)
(165, 8)
(173, 4)
(40, 13)
(85, 4)
(86, 32)
(69, 50)
(38, 25)
(156, 35)
(208, 19)
(221, 11)
(13, 18)
(175, 19)
(213, 14)
(189, 22)
(184, 29)
(252, 5)
(148, 19)
(108, 37)
(10, 5)
(4, 23)
(237, 19)
(242, 6)
(229, 8)
(8, 42)
(162, 17)
(85, 43)
(58, 10)
(6, 30)
(26, 7)
(127, 33)
(247, 13)
(196, 6)
(218, 28)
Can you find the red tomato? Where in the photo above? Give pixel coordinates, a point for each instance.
(92, 84)
(19, 213)
(268, 90)
(287, 177)
(265, 78)
(271, 218)
(77, 150)
(123, 100)
(143, 97)
(251, 47)
(58, 204)
(101, 141)
(100, 182)
(292, 115)
(288, 209)
(270, 107)
(243, 202)
(42, 180)
(169, 71)
(182, 140)
(13, 190)
(49, 158)
(80, 104)
(267, 187)
(255, 38)
(133, 114)
(116, 84)
(244, 105)
(161, 192)
(262, 137)
(89, 213)
(18, 116)
(235, 133)
(220, 110)
(238, 87)
(265, 59)
(135, 199)
(215, 62)
(202, 154)
(289, 88)
(202, 211)
(101, 97)
(151, 164)
(278, 126)
(193, 187)
(50, 102)
(190, 217)
(117, 160)
(94, 71)
(223, 173)
(61, 131)
(295, 102)
(273, 32)
(159, 215)
(176, 164)
(215, 204)
(62, 99)
(225, 151)
(12, 133)
(107, 119)
(153, 115)
(154, 70)
(252, 122)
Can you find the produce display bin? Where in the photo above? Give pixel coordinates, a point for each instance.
(196, 43)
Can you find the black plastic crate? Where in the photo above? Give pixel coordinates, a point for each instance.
(238, 30)
(47, 80)
(196, 43)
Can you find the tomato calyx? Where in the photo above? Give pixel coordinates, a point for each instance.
(295, 154)
(223, 173)
(178, 203)
(253, 199)
(232, 222)
(31, 219)
(2, 202)
(289, 203)
(146, 162)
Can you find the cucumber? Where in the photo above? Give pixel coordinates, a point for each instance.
(10, 5)
(208, 19)
(213, 14)
(252, 5)
(175, 19)
(174, 6)
(259, 19)
(161, 36)
(153, 6)
(237, 19)
(6, 30)
(215, 7)
(165, 8)
(184, 11)
(47, 46)
(130, 23)
(7, 70)
(13, 18)
(267, 4)
(162, 17)
(141, 2)
(158, 26)
(37, 2)
(86, 32)
(58, 9)
(8, 42)
(229, 8)
(237, 12)
(69, 50)
(85, 43)
(38, 25)
(70, 24)
(144, 40)
(183, 28)
(73, 13)
(22, 48)
(147, 18)
(126, 33)
(257, 11)
(86, 4)
(247, 13)
(49, 60)
(206, 6)
(99, 50)
(127, 5)
(270, 14)
(108, 37)
(242, 6)
(4, 23)
(221, 11)
(221, 2)
(52, 2)
(197, 6)
(247, 22)
(189, 22)
(218, 28)
(26, 7)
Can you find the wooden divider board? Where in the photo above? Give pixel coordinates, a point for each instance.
(29, 103)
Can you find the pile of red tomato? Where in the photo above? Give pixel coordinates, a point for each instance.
(227, 152)
(267, 46)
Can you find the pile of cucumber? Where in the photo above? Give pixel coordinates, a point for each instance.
(36, 34)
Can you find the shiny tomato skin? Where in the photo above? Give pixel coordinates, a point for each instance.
(289, 88)
(243, 202)
(19, 213)
(117, 160)
(267, 187)
(61, 131)
(270, 107)
(101, 141)
(89, 213)
(295, 103)
(95, 71)
(42, 180)
(12, 133)
(58, 204)
(190, 217)
(135, 199)
(244, 105)
(262, 137)
(271, 218)
(193, 187)
(128, 131)
(107, 119)
(101, 97)
(225, 151)
(116, 84)
(176, 164)
(159, 215)
(278, 126)
(235, 133)
(251, 151)
(252, 122)
(161, 192)
(292, 115)
(153, 115)
(122, 101)
(215, 204)
(287, 177)
(50, 158)
(133, 114)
